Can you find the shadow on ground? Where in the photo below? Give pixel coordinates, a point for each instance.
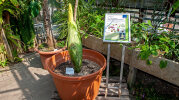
(26, 81)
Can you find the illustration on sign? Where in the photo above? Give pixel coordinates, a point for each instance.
(117, 28)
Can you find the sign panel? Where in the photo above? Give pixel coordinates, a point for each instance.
(117, 28)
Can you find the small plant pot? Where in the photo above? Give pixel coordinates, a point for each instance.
(77, 88)
(45, 55)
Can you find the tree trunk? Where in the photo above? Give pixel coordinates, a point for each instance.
(6, 44)
(47, 24)
(75, 10)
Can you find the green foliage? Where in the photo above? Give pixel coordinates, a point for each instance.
(2, 49)
(3, 63)
(74, 42)
(92, 23)
(62, 18)
(12, 38)
(43, 45)
(175, 6)
(34, 8)
(17, 59)
(23, 25)
(60, 44)
(10, 6)
(151, 43)
(89, 20)
(163, 64)
(14, 2)
(149, 62)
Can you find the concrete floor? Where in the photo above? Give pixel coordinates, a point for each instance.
(26, 81)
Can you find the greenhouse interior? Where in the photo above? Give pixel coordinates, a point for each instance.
(133, 48)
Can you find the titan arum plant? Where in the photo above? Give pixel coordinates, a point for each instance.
(74, 42)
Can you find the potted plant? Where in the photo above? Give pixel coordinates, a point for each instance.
(45, 55)
(83, 87)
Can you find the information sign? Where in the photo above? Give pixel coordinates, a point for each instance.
(117, 28)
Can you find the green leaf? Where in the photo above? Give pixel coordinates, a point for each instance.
(144, 36)
(137, 40)
(1, 1)
(163, 64)
(175, 6)
(14, 2)
(10, 11)
(145, 47)
(149, 23)
(34, 8)
(167, 49)
(1, 19)
(172, 44)
(148, 62)
(153, 49)
(144, 54)
(86, 35)
(165, 39)
(154, 52)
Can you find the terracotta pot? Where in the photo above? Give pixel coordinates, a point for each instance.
(45, 55)
(77, 88)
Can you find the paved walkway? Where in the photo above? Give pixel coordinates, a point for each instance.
(26, 81)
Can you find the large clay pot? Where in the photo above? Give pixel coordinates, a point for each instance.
(77, 88)
(45, 55)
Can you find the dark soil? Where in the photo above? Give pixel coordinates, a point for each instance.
(88, 67)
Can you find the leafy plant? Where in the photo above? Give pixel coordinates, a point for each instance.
(175, 6)
(2, 48)
(23, 25)
(151, 43)
(92, 23)
(3, 63)
(61, 44)
(89, 20)
(9, 6)
(17, 59)
(3, 60)
(74, 42)
(43, 45)
(163, 64)
(12, 38)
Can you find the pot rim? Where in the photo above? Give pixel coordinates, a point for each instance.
(49, 52)
(76, 78)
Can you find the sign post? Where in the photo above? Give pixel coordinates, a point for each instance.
(116, 30)
(107, 71)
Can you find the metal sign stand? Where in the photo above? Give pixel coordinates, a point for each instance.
(107, 71)
(121, 71)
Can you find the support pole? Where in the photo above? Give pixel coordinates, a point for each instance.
(132, 74)
(121, 71)
(107, 71)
